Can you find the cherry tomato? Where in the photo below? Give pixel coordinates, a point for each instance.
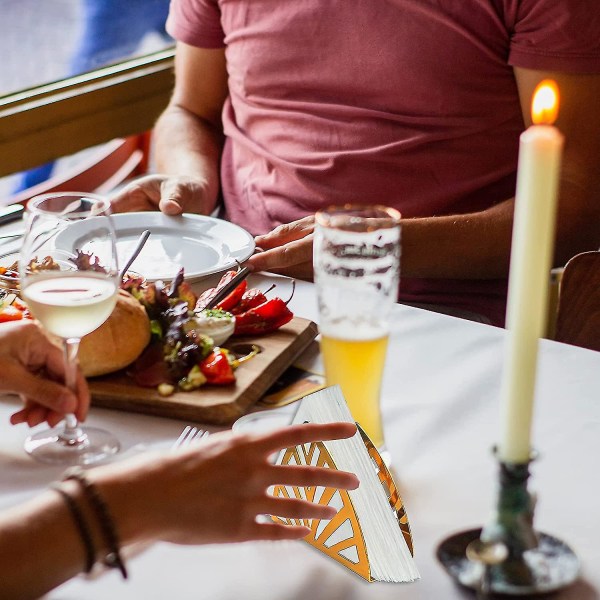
(11, 313)
(216, 368)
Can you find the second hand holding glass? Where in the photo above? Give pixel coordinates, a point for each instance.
(356, 266)
(71, 292)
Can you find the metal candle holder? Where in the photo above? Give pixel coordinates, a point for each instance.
(508, 556)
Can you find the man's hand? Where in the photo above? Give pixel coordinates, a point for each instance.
(34, 367)
(288, 250)
(169, 194)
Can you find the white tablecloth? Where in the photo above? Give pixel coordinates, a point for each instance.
(440, 406)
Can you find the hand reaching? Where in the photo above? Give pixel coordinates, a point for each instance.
(288, 250)
(214, 492)
(33, 367)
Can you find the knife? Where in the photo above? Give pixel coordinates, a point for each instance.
(12, 212)
(228, 288)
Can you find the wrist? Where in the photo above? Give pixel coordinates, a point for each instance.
(128, 494)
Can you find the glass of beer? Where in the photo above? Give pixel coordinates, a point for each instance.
(356, 265)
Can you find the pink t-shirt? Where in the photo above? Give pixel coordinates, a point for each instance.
(408, 103)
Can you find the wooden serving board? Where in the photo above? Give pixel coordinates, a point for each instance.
(213, 404)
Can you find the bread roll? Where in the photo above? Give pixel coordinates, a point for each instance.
(118, 341)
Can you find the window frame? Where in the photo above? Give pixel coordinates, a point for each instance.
(54, 120)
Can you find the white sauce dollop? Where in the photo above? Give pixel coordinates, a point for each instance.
(217, 324)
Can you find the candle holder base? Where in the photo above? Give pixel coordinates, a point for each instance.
(551, 566)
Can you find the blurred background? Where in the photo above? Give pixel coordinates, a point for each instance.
(43, 41)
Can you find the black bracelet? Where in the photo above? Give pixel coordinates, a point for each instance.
(113, 558)
(84, 532)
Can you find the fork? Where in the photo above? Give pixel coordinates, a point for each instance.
(188, 436)
(13, 234)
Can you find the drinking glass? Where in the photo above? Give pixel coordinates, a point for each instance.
(69, 279)
(356, 266)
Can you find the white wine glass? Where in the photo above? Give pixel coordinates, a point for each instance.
(69, 278)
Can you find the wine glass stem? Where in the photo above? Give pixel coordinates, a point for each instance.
(72, 433)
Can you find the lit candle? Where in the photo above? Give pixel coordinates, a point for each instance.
(540, 153)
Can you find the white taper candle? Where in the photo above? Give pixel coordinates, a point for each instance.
(540, 153)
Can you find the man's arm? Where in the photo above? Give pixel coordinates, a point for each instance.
(188, 140)
(477, 245)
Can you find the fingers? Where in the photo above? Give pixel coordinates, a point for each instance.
(277, 531)
(46, 393)
(143, 194)
(19, 417)
(312, 476)
(287, 245)
(286, 233)
(303, 434)
(297, 252)
(295, 508)
(34, 415)
(59, 398)
(36, 372)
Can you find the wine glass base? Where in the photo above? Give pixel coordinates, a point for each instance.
(49, 447)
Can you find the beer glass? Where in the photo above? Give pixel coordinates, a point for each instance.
(356, 266)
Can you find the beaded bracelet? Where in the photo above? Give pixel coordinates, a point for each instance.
(86, 536)
(113, 558)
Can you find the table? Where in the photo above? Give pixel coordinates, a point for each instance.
(441, 413)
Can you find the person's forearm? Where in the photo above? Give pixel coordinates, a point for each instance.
(578, 221)
(40, 547)
(188, 145)
(470, 246)
(477, 245)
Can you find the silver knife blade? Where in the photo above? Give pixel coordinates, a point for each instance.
(227, 288)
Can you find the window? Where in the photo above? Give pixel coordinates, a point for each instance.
(49, 40)
(62, 114)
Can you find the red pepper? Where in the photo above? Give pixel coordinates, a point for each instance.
(216, 368)
(230, 300)
(251, 299)
(267, 317)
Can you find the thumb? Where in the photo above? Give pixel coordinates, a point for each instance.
(170, 206)
(171, 198)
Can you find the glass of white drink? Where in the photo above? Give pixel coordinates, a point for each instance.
(69, 279)
(356, 265)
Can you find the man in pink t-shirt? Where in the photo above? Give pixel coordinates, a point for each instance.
(282, 108)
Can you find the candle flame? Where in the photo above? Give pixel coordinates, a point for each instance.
(544, 107)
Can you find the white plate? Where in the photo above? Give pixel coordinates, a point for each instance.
(201, 245)
(266, 420)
